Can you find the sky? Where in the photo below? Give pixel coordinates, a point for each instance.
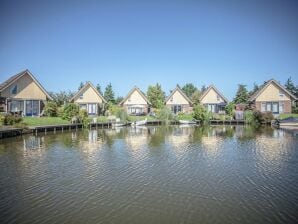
(140, 43)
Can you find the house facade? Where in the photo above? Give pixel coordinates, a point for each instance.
(135, 103)
(213, 100)
(89, 99)
(177, 102)
(23, 94)
(273, 97)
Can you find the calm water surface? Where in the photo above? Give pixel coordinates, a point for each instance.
(151, 175)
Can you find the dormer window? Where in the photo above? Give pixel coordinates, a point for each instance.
(81, 96)
(14, 89)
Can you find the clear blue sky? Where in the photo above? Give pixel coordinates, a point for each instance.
(139, 43)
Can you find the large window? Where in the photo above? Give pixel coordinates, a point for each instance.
(16, 106)
(281, 107)
(176, 109)
(274, 107)
(211, 108)
(268, 107)
(14, 89)
(135, 110)
(263, 107)
(92, 108)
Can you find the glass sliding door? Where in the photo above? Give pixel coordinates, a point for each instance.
(28, 108)
(35, 107)
(32, 108)
(92, 108)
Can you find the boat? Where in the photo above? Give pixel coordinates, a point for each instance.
(186, 122)
(139, 123)
(118, 123)
(290, 121)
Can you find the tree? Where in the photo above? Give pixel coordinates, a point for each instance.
(195, 98)
(241, 95)
(109, 94)
(81, 85)
(50, 109)
(156, 96)
(99, 89)
(203, 88)
(291, 87)
(60, 98)
(189, 89)
(230, 109)
(254, 90)
(118, 99)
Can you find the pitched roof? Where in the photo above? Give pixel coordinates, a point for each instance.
(88, 84)
(257, 93)
(14, 78)
(216, 90)
(181, 92)
(131, 91)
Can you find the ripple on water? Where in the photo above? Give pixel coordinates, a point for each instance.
(151, 175)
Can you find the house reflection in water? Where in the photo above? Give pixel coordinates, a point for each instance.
(33, 142)
(137, 137)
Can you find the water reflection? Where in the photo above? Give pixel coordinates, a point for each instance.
(168, 174)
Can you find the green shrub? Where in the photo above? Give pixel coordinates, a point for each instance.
(83, 116)
(60, 111)
(257, 117)
(267, 117)
(201, 114)
(10, 119)
(51, 109)
(164, 114)
(230, 109)
(1, 119)
(70, 110)
(114, 109)
(122, 115)
(295, 110)
(249, 117)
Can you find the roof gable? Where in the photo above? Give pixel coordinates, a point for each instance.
(268, 83)
(179, 90)
(18, 76)
(212, 87)
(85, 88)
(135, 89)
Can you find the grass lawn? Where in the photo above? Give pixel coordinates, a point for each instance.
(283, 116)
(39, 121)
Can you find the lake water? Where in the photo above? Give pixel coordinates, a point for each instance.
(151, 175)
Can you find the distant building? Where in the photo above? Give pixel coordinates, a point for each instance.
(90, 99)
(273, 97)
(136, 103)
(23, 94)
(213, 100)
(177, 101)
